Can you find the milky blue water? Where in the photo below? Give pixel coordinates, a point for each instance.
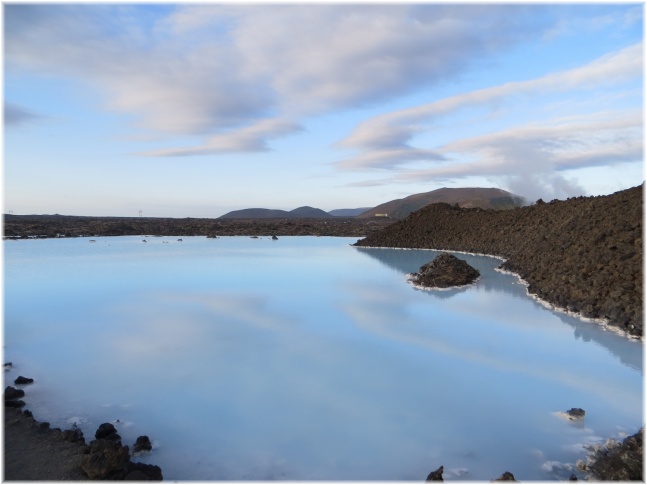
(307, 359)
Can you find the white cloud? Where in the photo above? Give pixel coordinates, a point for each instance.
(249, 139)
(525, 158)
(528, 159)
(208, 69)
(397, 128)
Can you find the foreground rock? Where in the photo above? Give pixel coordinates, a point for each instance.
(583, 254)
(436, 475)
(33, 451)
(506, 477)
(445, 271)
(108, 459)
(623, 462)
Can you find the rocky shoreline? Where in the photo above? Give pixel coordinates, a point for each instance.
(583, 255)
(35, 451)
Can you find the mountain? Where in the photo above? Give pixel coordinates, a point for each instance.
(347, 212)
(304, 212)
(485, 198)
(256, 214)
(307, 212)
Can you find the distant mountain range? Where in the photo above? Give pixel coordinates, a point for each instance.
(485, 198)
(304, 212)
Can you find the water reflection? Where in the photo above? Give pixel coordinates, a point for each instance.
(408, 261)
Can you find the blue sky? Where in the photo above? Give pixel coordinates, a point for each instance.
(193, 110)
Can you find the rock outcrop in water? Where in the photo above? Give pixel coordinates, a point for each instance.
(436, 475)
(445, 271)
(584, 254)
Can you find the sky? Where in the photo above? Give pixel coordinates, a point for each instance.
(194, 110)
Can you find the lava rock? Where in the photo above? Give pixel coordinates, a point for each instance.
(436, 475)
(274, 238)
(624, 462)
(506, 477)
(445, 271)
(107, 431)
(23, 380)
(74, 435)
(562, 249)
(106, 460)
(143, 443)
(14, 404)
(576, 414)
(11, 393)
(142, 471)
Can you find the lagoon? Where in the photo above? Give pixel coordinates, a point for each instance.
(308, 359)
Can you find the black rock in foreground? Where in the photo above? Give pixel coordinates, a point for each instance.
(445, 271)
(623, 462)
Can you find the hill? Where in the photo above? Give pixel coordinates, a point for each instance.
(347, 212)
(485, 198)
(304, 212)
(583, 254)
(256, 213)
(308, 212)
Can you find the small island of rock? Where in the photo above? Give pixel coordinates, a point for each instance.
(445, 271)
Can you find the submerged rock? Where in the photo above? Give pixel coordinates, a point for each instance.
(576, 413)
(445, 271)
(506, 477)
(11, 393)
(143, 443)
(436, 475)
(23, 380)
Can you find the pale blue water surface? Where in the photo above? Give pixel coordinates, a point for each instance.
(307, 359)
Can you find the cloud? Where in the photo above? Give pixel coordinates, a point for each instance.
(527, 157)
(249, 139)
(398, 127)
(211, 70)
(15, 115)
(389, 158)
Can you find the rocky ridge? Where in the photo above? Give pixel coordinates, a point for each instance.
(583, 254)
(51, 226)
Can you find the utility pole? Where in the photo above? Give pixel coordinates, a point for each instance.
(140, 212)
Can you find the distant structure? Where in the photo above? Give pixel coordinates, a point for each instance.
(140, 212)
(381, 215)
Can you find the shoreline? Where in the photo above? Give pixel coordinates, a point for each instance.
(582, 256)
(601, 322)
(35, 451)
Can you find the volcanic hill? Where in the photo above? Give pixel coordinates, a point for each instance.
(485, 198)
(304, 212)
